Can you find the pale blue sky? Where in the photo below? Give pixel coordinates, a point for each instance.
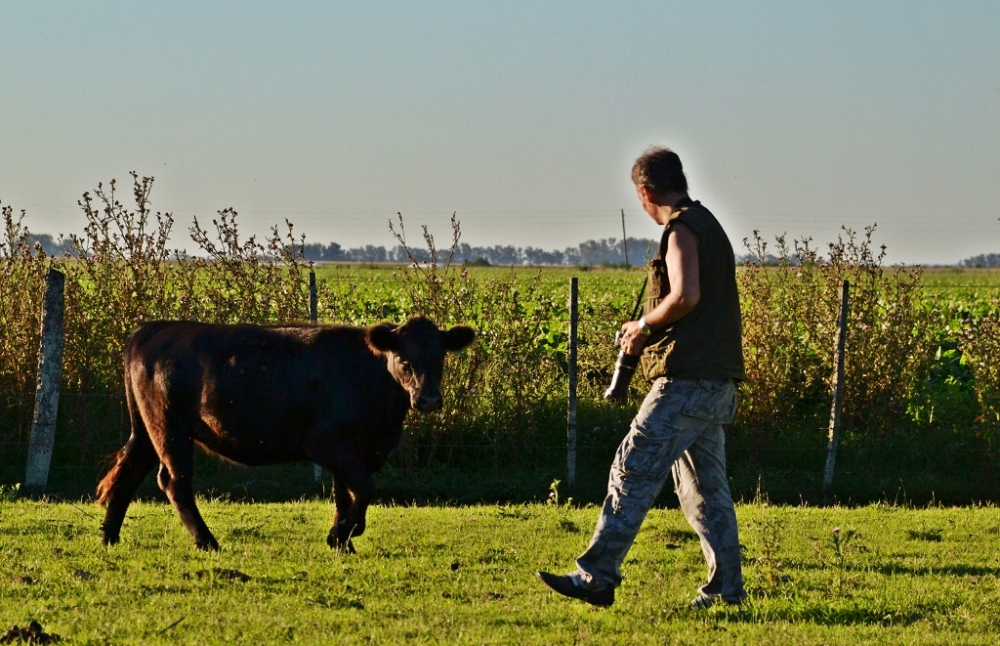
(522, 117)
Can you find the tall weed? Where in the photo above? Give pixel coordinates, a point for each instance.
(980, 345)
(23, 268)
(790, 314)
(245, 281)
(120, 272)
(117, 278)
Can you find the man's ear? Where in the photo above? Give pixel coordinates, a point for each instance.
(649, 196)
(457, 338)
(382, 338)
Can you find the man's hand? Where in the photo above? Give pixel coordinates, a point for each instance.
(633, 341)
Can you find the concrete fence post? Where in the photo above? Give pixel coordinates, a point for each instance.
(838, 390)
(43, 426)
(571, 360)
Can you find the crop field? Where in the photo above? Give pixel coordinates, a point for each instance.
(881, 574)
(966, 279)
(933, 279)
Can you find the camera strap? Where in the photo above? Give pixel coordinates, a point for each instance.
(638, 301)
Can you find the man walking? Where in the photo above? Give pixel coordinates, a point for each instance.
(689, 338)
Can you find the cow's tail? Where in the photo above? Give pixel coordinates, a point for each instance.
(139, 433)
(108, 481)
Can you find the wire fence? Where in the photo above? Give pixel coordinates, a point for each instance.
(468, 470)
(94, 425)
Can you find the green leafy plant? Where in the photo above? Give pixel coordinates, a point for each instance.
(840, 541)
(768, 526)
(10, 493)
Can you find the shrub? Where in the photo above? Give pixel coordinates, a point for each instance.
(22, 280)
(790, 315)
(121, 272)
(981, 346)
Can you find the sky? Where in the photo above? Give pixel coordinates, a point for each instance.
(521, 118)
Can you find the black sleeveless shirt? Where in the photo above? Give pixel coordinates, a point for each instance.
(707, 342)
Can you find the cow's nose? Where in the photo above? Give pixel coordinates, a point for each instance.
(428, 404)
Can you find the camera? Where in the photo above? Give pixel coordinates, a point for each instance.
(625, 367)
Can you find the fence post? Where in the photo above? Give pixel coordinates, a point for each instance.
(838, 390)
(314, 319)
(43, 426)
(624, 239)
(313, 298)
(571, 413)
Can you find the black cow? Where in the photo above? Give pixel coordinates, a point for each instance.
(333, 395)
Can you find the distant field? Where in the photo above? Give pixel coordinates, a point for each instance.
(968, 281)
(557, 278)
(949, 290)
(432, 575)
(933, 277)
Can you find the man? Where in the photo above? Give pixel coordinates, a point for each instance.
(689, 338)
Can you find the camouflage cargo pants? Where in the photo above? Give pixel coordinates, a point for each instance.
(678, 429)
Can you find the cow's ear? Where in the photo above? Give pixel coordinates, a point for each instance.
(382, 338)
(457, 338)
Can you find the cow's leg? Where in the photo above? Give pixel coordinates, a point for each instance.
(175, 479)
(115, 491)
(342, 501)
(353, 489)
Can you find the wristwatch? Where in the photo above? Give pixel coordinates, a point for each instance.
(644, 328)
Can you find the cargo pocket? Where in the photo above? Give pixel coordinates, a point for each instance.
(712, 401)
(643, 461)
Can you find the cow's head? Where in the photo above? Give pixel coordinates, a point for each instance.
(415, 353)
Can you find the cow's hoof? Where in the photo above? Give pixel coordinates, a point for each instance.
(109, 535)
(211, 545)
(341, 547)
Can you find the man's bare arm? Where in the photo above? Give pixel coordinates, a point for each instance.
(685, 288)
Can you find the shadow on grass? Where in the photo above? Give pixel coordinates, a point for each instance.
(892, 569)
(948, 570)
(831, 614)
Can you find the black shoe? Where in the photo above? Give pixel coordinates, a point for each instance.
(705, 601)
(566, 586)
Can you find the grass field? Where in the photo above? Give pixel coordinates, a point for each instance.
(879, 574)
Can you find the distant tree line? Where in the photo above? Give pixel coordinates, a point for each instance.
(608, 251)
(982, 260)
(48, 244)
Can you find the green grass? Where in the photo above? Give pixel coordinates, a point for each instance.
(465, 575)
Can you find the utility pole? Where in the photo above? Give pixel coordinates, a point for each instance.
(624, 239)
